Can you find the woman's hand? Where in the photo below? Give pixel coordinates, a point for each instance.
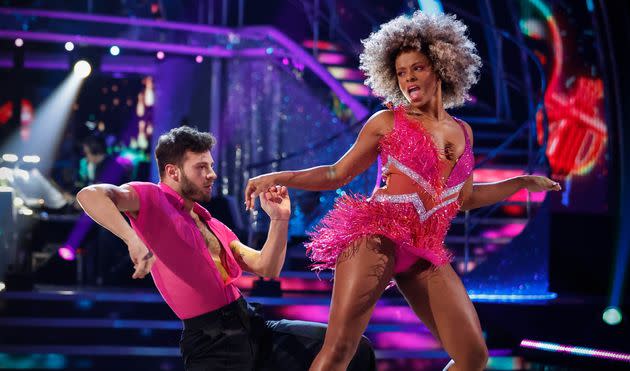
(535, 183)
(256, 186)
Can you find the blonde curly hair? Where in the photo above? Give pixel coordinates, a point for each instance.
(442, 38)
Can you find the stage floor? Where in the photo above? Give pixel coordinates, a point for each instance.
(69, 327)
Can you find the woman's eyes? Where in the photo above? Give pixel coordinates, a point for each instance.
(416, 68)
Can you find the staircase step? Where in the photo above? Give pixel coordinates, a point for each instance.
(487, 122)
(92, 350)
(356, 89)
(60, 335)
(139, 351)
(508, 152)
(346, 74)
(321, 45)
(477, 240)
(491, 220)
(334, 59)
(137, 324)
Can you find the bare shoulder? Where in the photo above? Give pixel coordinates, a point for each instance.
(381, 122)
(126, 198)
(128, 190)
(467, 127)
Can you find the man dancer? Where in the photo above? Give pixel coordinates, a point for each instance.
(195, 260)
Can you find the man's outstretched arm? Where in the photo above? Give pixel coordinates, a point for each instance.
(103, 203)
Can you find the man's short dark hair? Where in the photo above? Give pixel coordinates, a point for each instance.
(173, 145)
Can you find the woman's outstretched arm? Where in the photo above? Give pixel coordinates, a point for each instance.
(358, 158)
(485, 194)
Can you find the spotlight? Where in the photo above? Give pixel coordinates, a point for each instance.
(31, 159)
(612, 316)
(18, 202)
(69, 46)
(5, 174)
(82, 68)
(9, 157)
(160, 55)
(25, 211)
(2, 286)
(66, 252)
(21, 173)
(199, 59)
(19, 42)
(114, 50)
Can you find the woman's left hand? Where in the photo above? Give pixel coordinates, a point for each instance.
(535, 183)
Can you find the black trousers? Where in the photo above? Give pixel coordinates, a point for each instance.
(236, 337)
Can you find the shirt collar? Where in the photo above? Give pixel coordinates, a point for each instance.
(178, 201)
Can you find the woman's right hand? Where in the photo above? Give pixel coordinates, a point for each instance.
(535, 183)
(256, 186)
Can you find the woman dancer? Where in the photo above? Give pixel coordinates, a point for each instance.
(420, 65)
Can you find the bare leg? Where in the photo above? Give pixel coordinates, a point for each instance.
(362, 273)
(441, 302)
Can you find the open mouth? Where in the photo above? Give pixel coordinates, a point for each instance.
(413, 91)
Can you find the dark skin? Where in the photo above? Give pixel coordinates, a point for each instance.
(436, 295)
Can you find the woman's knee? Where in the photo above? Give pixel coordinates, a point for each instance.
(475, 357)
(480, 355)
(341, 349)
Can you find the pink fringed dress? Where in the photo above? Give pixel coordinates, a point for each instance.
(414, 209)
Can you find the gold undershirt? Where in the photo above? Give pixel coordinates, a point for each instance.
(213, 244)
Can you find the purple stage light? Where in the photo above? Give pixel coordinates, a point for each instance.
(67, 252)
(343, 73)
(356, 88)
(575, 350)
(256, 32)
(405, 340)
(331, 58)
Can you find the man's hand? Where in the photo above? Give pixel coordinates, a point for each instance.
(276, 203)
(535, 183)
(141, 257)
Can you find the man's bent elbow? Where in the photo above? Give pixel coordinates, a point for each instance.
(84, 194)
(89, 193)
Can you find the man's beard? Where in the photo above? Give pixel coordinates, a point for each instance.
(191, 191)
